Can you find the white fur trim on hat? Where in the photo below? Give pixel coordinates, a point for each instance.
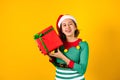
(65, 17)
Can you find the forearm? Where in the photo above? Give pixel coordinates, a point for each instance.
(82, 65)
(64, 58)
(81, 68)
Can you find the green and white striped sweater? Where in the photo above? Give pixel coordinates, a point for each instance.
(62, 74)
(79, 55)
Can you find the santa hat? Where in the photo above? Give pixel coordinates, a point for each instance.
(63, 17)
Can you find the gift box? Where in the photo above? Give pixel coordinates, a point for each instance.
(48, 40)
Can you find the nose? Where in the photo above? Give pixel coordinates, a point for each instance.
(68, 26)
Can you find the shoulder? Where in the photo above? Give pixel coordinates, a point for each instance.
(83, 43)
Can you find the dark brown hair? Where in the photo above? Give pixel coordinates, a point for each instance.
(62, 35)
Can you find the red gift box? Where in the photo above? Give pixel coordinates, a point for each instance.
(48, 40)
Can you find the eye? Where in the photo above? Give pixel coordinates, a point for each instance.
(63, 25)
(70, 24)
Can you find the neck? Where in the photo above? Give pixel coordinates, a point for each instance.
(71, 38)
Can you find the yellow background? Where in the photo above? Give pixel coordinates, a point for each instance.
(98, 22)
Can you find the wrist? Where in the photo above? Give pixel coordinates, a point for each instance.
(66, 60)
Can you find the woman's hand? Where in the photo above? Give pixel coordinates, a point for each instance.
(57, 54)
(60, 55)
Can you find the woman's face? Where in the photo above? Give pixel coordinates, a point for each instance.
(68, 27)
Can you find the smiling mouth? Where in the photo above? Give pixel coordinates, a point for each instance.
(68, 31)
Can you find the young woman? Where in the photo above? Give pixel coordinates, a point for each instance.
(71, 59)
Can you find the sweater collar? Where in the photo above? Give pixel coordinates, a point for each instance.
(68, 45)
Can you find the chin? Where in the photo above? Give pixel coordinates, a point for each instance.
(69, 35)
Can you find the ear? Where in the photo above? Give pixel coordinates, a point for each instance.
(75, 28)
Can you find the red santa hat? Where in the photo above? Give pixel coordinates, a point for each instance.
(63, 17)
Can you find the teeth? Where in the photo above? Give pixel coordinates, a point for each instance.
(68, 30)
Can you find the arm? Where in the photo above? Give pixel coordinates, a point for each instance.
(52, 60)
(82, 65)
(58, 54)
